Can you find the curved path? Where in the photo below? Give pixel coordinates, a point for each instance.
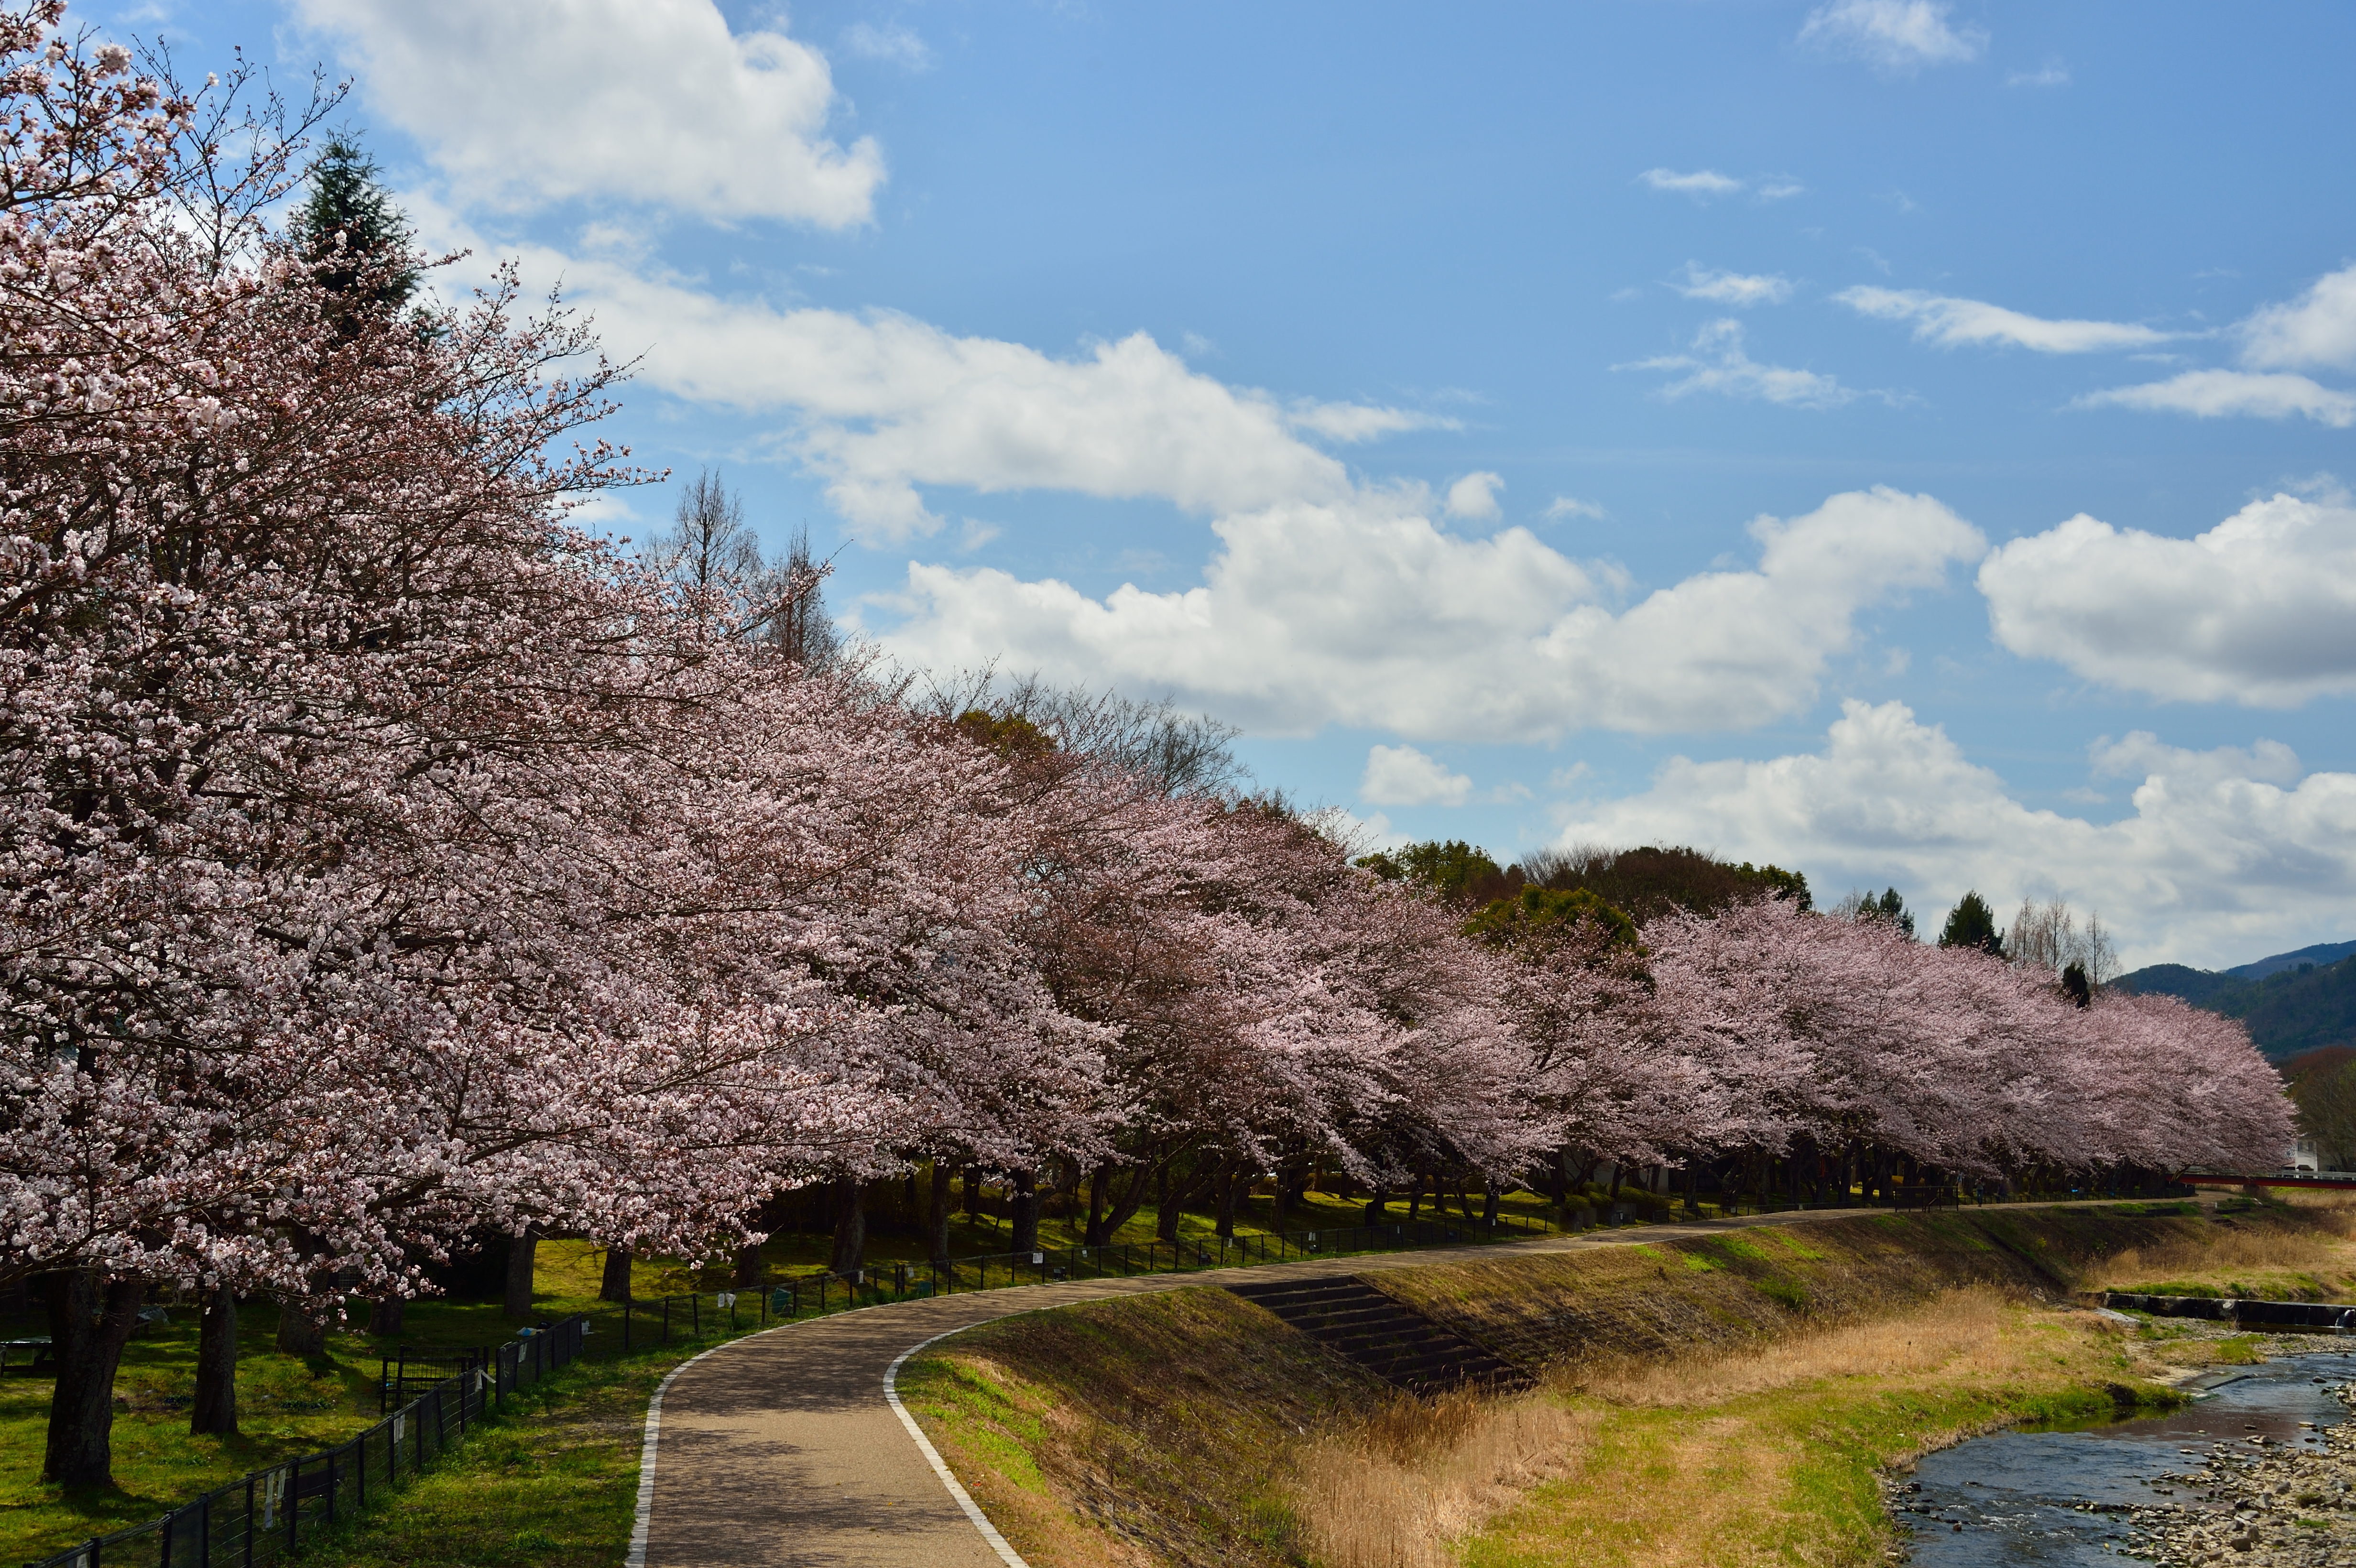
(780, 1449)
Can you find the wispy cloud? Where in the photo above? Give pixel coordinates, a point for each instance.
(2053, 73)
(1719, 365)
(1563, 506)
(1732, 288)
(1352, 422)
(2218, 394)
(1704, 184)
(1950, 322)
(1700, 183)
(1893, 36)
(895, 43)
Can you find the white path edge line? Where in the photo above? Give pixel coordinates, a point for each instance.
(643, 1522)
(1006, 1553)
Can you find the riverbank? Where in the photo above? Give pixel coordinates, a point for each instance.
(1720, 1399)
(2262, 1501)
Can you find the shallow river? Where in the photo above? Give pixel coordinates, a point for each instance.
(2021, 1497)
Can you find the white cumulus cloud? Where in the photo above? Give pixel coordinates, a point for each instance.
(2219, 394)
(1894, 36)
(880, 404)
(2260, 610)
(1719, 365)
(2319, 329)
(1474, 495)
(2226, 853)
(1401, 775)
(525, 103)
(1357, 610)
(1732, 288)
(1701, 182)
(1949, 322)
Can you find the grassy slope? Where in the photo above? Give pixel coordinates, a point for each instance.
(1147, 1429)
(1052, 1424)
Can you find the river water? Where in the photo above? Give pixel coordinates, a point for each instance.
(2059, 1498)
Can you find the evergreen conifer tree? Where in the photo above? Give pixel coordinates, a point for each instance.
(351, 231)
(1972, 924)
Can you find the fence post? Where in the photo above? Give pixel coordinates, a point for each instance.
(360, 1476)
(249, 1521)
(666, 1320)
(695, 1313)
(626, 1328)
(331, 1487)
(293, 1503)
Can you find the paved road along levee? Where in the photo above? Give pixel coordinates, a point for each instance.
(780, 1449)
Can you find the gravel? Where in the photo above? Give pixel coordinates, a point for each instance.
(2258, 1501)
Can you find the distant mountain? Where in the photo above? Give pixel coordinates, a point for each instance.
(2322, 952)
(2293, 1002)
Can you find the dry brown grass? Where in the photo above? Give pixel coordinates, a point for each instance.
(1956, 1334)
(2323, 1243)
(1419, 1475)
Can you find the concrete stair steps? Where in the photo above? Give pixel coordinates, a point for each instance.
(1382, 1334)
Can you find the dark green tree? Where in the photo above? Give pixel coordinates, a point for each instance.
(1453, 869)
(1888, 907)
(1971, 923)
(351, 232)
(1782, 884)
(2075, 986)
(1536, 910)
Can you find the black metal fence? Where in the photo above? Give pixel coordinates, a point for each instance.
(269, 1514)
(672, 1319)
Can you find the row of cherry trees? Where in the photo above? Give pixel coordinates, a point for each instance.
(386, 859)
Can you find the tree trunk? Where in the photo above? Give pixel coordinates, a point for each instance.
(302, 1330)
(1022, 1213)
(1374, 1201)
(937, 1218)
(1099, 1180)
(89, 1321)
(215, 1411)
(1414, 1194)
(850, 1226)
(972, 1190)
(386, 1317)
(748, 1267)
(521, 1251)
(1174, 1196)
(1232, 1181)
(1488, 1202)
(616, 1284)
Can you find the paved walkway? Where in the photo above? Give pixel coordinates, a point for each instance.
(780, 1448)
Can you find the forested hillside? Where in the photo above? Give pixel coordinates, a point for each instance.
(2288, 1011)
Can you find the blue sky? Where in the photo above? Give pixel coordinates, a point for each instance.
(1532, 424)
